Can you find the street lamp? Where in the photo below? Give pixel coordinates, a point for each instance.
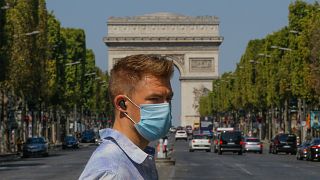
(286, 119)
(75, 103)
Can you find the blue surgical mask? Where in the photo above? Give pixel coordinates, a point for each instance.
(155, 120)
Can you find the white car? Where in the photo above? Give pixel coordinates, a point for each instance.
(200, 142)
(181, 134)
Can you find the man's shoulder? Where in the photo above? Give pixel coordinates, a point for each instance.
(107, 158)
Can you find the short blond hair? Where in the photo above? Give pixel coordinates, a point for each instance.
(131, 69)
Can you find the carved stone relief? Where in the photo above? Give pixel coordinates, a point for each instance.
(198, 92)
(201, 64)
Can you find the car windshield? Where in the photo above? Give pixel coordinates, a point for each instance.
(287, 137)
(35, 140)
(70, 138)
(200, 137)
(316, 141)
(252, 140)
(230, 135)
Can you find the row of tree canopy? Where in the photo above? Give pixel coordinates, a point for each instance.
(46, 65)
(285, 65)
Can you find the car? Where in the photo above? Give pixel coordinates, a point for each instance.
(173, 129)
(252, 144)
(70, 141)
(35, 146)
(286, 143)
(313, 152)
(207, 132)
(200, 142)
(181, 134)
(302, 150)
(88, 136)
(230, 141)
(189, 129)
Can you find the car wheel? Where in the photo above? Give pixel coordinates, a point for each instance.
(260, 152)
(240, 153)
(208, 150)
(191, 150)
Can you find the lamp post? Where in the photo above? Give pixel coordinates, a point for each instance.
(287, 120)
(269, 119)
(75, 103)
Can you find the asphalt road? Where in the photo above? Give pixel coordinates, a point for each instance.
(68, 164)
(61, 164)
(203, 165)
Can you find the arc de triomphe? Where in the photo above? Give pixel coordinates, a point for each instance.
(192, 42)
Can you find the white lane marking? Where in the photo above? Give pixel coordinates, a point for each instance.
(240, 166)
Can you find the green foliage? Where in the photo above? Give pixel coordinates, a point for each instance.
(285, 64)
(35, 60)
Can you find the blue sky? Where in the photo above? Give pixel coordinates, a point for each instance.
(240, 21)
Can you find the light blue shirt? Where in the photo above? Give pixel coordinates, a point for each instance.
(119, 158)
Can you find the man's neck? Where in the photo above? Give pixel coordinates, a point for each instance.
(131, 133)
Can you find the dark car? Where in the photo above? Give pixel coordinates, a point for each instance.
(313, 152)
(88, 136)
(70, 142)
(35, 146)
(286, 143)
(302, 150)
(230, 141)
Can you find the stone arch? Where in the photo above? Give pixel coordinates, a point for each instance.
(191, 42)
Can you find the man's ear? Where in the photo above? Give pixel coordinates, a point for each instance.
(120, 103)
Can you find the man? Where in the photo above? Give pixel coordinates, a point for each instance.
(141, 94)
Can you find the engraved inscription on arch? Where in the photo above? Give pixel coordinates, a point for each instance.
(201, 64)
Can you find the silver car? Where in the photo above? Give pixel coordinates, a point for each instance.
(252, 144)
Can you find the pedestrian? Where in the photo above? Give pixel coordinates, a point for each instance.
(19, 145)
(165, 145)
(140, 91)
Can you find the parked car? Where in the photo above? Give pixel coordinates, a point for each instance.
(98, 140)
(313, 152)
(302, 150)
(252, 144)
(88, 136)
(230, 141)
(35, 146)
(181, 134)
(200, 142)
(70, 142)
(286, 143)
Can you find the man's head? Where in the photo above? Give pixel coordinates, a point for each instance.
(132, 69)
(136, 80)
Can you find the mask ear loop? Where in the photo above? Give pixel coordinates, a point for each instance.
(125, 113)
(132, 101)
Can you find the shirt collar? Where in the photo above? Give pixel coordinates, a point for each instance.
(132, 150)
